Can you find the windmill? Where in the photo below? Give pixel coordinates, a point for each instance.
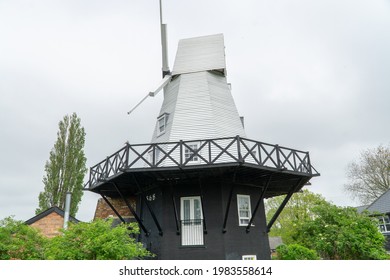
(197, 189)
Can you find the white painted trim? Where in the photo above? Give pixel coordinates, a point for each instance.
(249, 209)
(164, 118)
(249, 257)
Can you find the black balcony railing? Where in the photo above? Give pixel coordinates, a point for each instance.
(191, 232)
(201, 152)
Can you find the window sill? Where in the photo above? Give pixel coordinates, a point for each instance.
(192, 246)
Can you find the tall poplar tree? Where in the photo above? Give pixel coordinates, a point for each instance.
(66, 167)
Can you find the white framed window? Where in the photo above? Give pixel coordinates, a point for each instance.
(191, 218)
(384, 224)
(162, 124)
(189, 152)
(244, 209)
(249, 257)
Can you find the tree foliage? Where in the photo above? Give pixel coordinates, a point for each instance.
(66, 167)
(341, 233)
(369, 178)
(295, 252)
(297, 210)
(333, 232)
(96, 241)
(20, 241)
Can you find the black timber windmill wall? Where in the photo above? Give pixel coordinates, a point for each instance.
(200, 184)
(273, 170)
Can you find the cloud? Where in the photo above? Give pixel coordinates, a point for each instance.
(311, 75)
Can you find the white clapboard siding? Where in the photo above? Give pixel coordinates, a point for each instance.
(198, 101)
(168, 106)
(200, 54)
(193, 113)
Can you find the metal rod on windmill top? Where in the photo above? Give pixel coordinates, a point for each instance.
(166, 73)
(164, 45)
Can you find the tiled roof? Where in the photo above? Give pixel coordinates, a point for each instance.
(382, 204)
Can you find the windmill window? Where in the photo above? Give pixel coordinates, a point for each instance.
(190, 153)
(162, 124)
(249, 257)
(244, 209)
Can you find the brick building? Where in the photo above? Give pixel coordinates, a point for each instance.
(50, 221)
(103, 210)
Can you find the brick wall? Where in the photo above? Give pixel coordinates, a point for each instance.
(50, 225)
(104, 211)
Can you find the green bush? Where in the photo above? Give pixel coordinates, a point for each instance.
(341, 233)
(20, 241)
(295, 252)
(97, 240)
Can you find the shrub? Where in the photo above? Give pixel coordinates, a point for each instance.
(20, 241)
(97, 240)
(295, 252)
(340, 233)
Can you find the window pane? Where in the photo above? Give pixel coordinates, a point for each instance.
(243, 203)
(197, 209)
(244, 214)
(161, 124)
(186, 210)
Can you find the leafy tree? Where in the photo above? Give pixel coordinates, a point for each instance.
(341, 233)
(295, 252)
(97, 240)
(369, 178)
(20, 241)
(66, 167)
(297, 210)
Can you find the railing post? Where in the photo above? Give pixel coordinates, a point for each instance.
(295, 161)
(127, 155)
(209, 152)
(239, 149)
(154, 155)
(308, 163)
(106, 171)
(277, 148)
(90, 178)
(181, 153)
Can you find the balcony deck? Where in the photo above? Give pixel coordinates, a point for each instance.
(250, 161)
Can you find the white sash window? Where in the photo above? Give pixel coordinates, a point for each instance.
(244, 209)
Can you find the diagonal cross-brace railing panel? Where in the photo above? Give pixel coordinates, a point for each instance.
(208, 152)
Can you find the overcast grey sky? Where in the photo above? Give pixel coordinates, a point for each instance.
(310, 75)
